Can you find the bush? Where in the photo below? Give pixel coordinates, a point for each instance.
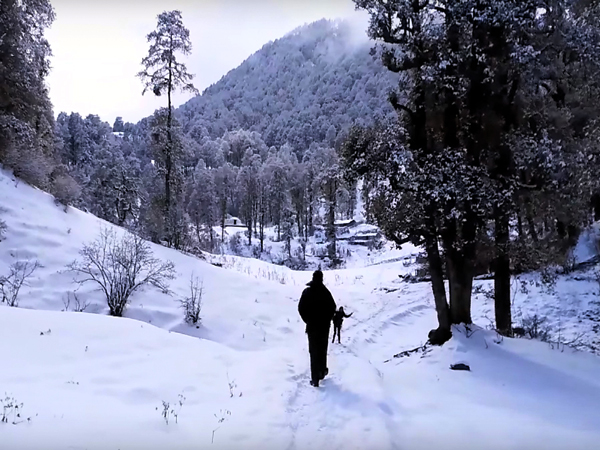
(536, 328)
(3, 229)
(120, 266)
(11, 284)
(192, 305)
(3, 226)
(235, 244)
(65, 189)
(23, 153)
(78, 305)
(295, 263)
(377, 243)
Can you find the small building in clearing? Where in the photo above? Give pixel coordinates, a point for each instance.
(234, 222)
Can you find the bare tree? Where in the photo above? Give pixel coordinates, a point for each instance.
(3, 228)
(192, 305)
(79, 306)
(11, 284)
(120, 266)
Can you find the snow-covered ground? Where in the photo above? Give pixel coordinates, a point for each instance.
(89, 381)
(359, 244)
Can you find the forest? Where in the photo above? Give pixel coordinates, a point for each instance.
(471, 126)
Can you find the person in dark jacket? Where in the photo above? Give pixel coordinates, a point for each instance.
(317, 307)
(338, 318)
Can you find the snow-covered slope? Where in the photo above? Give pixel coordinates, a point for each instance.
(89, 381)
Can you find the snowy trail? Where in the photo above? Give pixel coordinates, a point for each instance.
(352, 408)
(341, 413)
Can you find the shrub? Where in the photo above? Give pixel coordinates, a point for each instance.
(235, 244)
(536, 328)
(3, 226)
(63, 186)
(192, 305)
(78, 305)
(120, 266)
(11, 284)
(3, 229)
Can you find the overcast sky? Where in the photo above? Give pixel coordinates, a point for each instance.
(98, 45)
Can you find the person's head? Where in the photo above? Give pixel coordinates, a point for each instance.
(341, 309)
(317, 276)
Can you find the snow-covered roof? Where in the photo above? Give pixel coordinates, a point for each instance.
(345, 222)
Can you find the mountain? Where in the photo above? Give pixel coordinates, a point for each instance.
(309, 86)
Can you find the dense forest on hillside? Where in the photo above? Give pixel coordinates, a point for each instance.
(307, 87)
(260, 144)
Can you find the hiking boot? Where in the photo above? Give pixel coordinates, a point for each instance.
(314, 383)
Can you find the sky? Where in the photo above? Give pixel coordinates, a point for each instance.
(98, 46)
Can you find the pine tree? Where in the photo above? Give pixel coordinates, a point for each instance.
(114, 187)
(276, 178)
(168, 216)
(26, 118)
(225, 177)
(263, 205)
(202, 203)
(329, 181)
(299, 195)
(164, 73)
(249, 189)
(119, 126)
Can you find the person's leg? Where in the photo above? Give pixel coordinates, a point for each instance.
(315, 355)
(340, 334)
(325, 343)
(334, 329)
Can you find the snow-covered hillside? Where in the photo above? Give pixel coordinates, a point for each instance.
(89, 381)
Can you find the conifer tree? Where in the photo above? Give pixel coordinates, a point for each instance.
(163, 73)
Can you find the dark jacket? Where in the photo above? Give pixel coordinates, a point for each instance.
(316, 307)
(338, 318)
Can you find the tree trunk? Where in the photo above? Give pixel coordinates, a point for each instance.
(502, 304)
(250, 233)
(311, 229)
(443, 332)
(331, 221)
(299, 219)
(520, 226)
(532, 230)
(223, 209)
(262, 231)
(197, 226)
(437, 283)
(596, 205)
(460, 280)
(255, 217)
(459, 267)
